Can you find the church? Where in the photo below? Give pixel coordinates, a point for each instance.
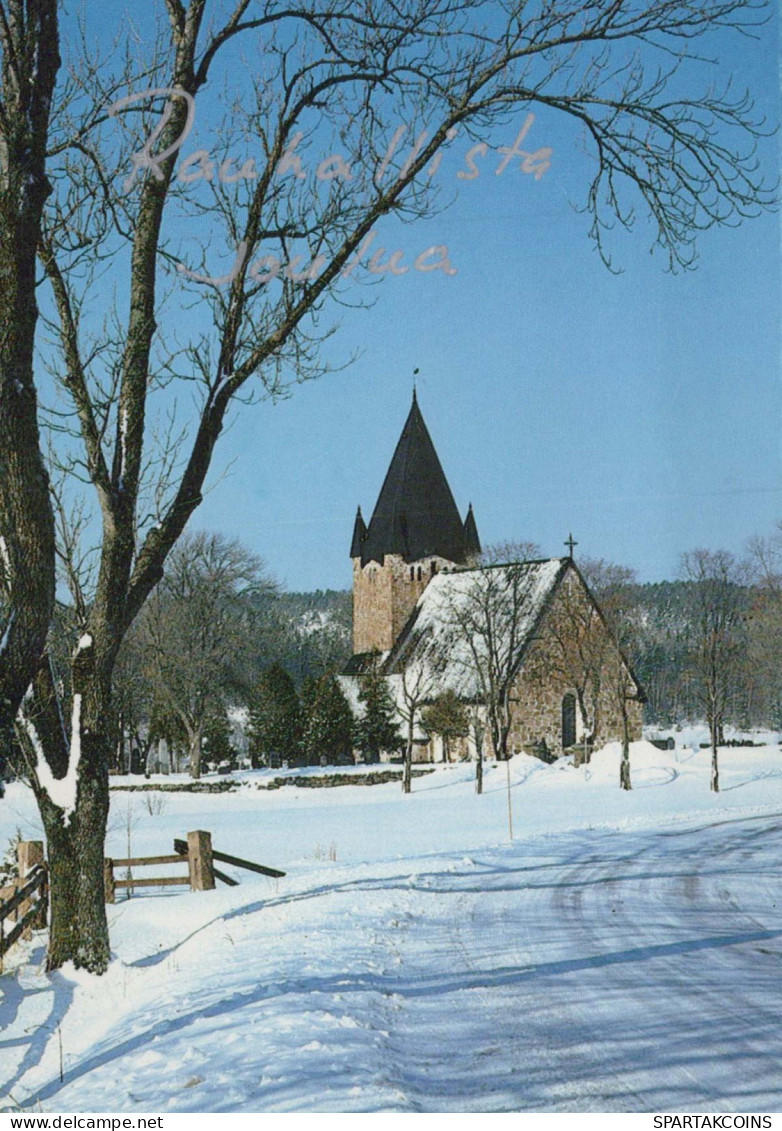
(438, 619)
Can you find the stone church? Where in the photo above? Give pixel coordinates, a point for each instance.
(429, 614)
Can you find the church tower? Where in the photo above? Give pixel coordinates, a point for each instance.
(415, 532)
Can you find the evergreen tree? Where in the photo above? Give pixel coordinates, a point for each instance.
(275, 719)
(377, 729)
(446, 716)
(217, 740)
(9, 862)
(328, 722)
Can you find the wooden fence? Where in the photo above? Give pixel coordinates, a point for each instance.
(24, 902)
(197, 850)
(224, 858)
(200, 869)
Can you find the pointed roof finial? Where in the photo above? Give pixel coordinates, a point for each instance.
(472, 541)
(359, 535)
(415, 374)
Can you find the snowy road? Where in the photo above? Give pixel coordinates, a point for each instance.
(597, 970)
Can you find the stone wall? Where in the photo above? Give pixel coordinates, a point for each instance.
(553, 667)
(570, 627)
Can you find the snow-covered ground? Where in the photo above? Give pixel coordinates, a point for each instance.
(622, 953)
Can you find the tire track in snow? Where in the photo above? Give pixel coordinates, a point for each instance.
(635, 984)
(684, 997)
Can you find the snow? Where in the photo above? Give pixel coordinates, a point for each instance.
(7, 632)
(453, 603)
(62, 791)
(621, 954)
(697, 734)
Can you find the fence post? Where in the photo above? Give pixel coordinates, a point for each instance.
(199, 860)
(29, 854)
(108, 880)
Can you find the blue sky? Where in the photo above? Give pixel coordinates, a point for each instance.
(640, 411)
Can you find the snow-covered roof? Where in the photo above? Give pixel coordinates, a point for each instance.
(445, 640)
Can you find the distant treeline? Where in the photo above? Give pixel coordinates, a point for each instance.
(308, 634)
(661, 659)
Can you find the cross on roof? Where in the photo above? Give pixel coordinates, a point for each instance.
(571, 544)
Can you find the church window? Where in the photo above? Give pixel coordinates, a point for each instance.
(419, 573)
(412, 573)
(433, 568)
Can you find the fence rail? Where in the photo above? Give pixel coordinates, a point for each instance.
(200, 869)
(27, 900)
(135, 861)
(237, 862)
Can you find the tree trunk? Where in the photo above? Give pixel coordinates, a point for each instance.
(715, 770)
(195, 755)
(502, 752)
(75, 839)
(26, 519)
(624, 772)
(496, 741)
(78, 930)
(510, 803)
(478, 732)
(75, 836)
(407, 773)
(119, 752)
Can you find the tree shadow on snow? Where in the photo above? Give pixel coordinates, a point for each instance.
(431, 986)
(35, 1039)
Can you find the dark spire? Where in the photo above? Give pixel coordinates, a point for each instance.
(415, 514)
(471, 540)
(359, 534)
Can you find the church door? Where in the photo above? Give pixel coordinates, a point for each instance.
(568, 720)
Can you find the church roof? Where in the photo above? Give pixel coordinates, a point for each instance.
(415, 514)
(472, 541)
(359, 534)
(445, 632)
(437, 639)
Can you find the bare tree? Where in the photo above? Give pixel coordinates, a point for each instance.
(718, 599)
(329, 74)
(197, 631)
(610, 583)
(415, 686)
(488, 611)
(577, 651)
(134, 699)
(764, 627)
(29, 63)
